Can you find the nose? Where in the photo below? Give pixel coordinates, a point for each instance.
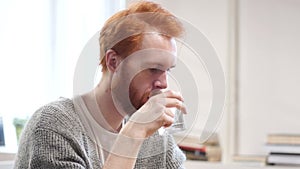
(161, 82)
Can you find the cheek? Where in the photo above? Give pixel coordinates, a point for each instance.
(140, 82)
(139, 89)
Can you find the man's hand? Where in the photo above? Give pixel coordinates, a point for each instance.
(154, 114)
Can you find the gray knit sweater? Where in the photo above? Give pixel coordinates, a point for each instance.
(55, 137)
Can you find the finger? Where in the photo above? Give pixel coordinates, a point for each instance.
(167, 120)
(155, 92)
(171, 102)
(173, 94)
(169, 112)
(159, 96)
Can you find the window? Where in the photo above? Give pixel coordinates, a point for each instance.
(40, 43)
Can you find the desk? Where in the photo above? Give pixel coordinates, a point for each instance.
(190, 165)
(6, 164)
(216, 165)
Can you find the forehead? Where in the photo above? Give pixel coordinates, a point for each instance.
(156, 51)
(158, 41)
(150, 58)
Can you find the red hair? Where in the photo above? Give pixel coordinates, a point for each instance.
(123, 32)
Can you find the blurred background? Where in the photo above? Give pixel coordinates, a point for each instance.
(257, 41)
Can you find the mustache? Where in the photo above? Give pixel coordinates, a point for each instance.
(145, 97)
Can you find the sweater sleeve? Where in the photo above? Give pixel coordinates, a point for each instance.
(55, 138)
(49, 149)
(175, 157)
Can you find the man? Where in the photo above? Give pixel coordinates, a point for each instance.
(137, 48)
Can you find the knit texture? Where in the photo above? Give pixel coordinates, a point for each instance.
(54, 137)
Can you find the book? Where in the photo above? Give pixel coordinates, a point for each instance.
(194, 150)
(283, 148)
(193, 147)
(283, 159)
(283, 139)
(250, 160)
(195, 156)
(192, 138)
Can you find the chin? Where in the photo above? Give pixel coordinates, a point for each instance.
(141, 103)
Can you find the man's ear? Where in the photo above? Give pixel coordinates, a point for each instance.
(112, 60)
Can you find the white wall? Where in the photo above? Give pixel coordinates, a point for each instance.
(269, 71)
(209, 16)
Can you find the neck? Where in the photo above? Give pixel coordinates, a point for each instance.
(107, 115)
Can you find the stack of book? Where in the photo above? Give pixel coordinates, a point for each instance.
(194, 150)
(284, 149)
(250, 160)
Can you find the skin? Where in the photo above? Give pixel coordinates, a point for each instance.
(140, 90)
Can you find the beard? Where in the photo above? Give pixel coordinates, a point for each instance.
(137, 99)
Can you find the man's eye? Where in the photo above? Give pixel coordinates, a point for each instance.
(154, 70)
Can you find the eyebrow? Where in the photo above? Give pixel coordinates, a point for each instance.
(160, 65)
